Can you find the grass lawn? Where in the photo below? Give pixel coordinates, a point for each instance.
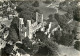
(46, 10)
(68, 51)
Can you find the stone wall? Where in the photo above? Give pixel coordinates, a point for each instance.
(31, 27)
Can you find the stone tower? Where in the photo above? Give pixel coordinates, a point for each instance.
(29, 29)
(33, 27)
(21, 23)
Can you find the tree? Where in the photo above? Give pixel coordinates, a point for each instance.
(74, 32)
(18, 9)
(7, 49)
(62, 20)
(50, 18)
(46, 44)
(77, 45)
(57, 35)
(27, 42)
(40, 35)
(12, 35)
(14, 30)
(47, 1)
(66, 39)
(36, 4)
(47, 48)
(14, 22)
(27, 11)
(15, 25)
(77, 14)
(53, 48)
(68, 7)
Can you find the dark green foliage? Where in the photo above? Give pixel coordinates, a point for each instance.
(77, 14)
(36, 4)
(43, 51)
(8, 48)
(74, 32)
(3, 26)
(62, 20)
(40, 35)
(15, 23)
(73, 5)
(69, 7)
(37, 10)
(47, 1)
(77, 45)
(3, 52)
(66, 39)
(65, 6)
(53, 48)
(18, 9)
(27, 42)
(69, 15)
(14, 30)
(35, 48)
(5, 13)
(12, 35)
(27, 11)
(27, 15)
(48, 48)
(19, 45)
(21, 51)
(50, 18)
(24, 47)
(57, 35)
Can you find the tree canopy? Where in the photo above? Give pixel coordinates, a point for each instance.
(14, 30)
(77, 14)
(27, 11)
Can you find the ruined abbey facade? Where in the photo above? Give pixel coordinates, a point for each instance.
(31, 28)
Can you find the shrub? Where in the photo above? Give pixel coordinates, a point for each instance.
(36, 4)
(27, 11)
(77, 45)
(77, 14)
(18, 9)
(8, 49)
(47, 49)
(47, 2)
(66, 39)
(14, 30)
(53, 48)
